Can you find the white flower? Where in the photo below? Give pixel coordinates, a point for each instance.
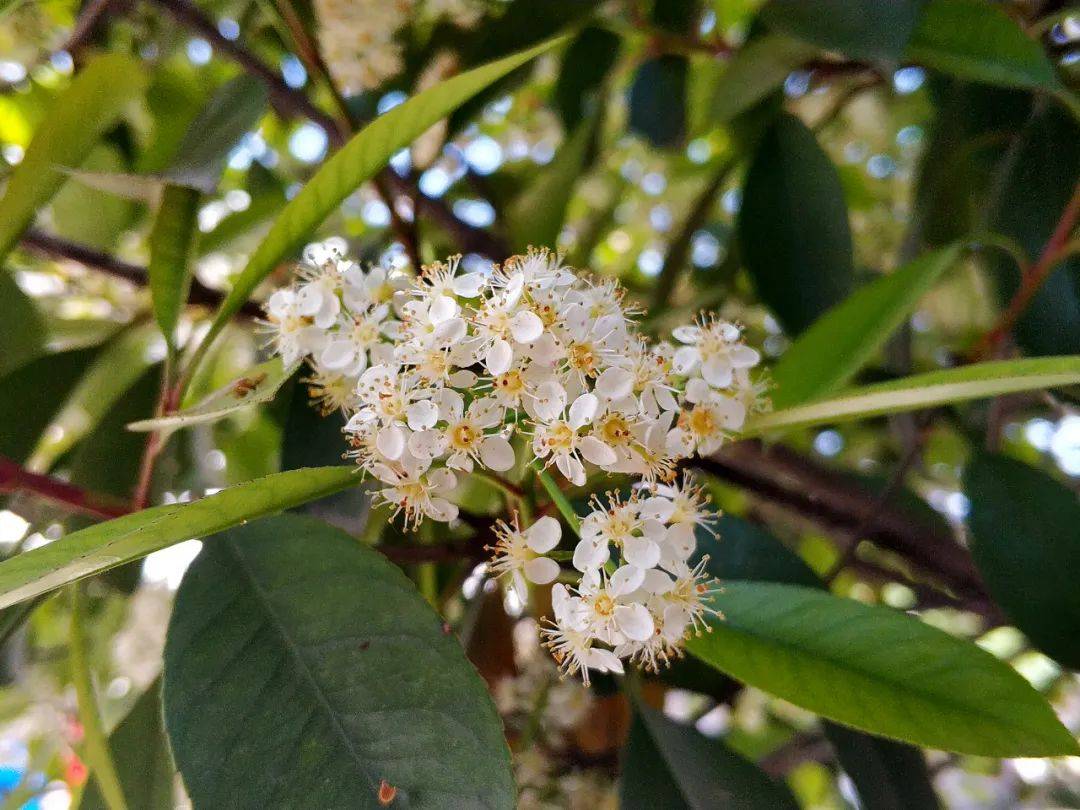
(417, 492)
(570, 642)
(293, 334)
(467, 435)
(560, 437)
(705, 427)
(519, 554)
(609, 609)
(714, 348)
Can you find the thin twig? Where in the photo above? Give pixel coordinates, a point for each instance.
(14, 478)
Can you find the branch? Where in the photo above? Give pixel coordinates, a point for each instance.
(13, 478)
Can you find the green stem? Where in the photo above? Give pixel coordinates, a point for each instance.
(95, 743)
(558, 498)
(427, 575)
(532, 726)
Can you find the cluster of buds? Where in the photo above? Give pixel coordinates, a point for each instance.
(438, 373)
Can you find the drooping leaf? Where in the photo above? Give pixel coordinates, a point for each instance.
(793, 226)
(840, 342)
(171, 243)
(358, 161)
(888, 775)
(706, 773)
(140, 753)
(113, 372)
(91, 216)
(756, 70)
(1025, 528)
(256, 385)
(537, 215)
(345, 677)
(977, 40)
(1034, 184)
(861, 29)
(977, 381)
(878, 670)
(115, 542)
(231, 112)
(23, 334)
(587, 61)
(658, 100)
(75, 122)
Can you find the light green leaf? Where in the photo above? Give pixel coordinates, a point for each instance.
(78, 117)
(977, 381)
(346, 680)
(1025, 529)
(89, 216)
(666, 764)
(171, 243)
(977, 40)
(144, 188)
(841, 341)
(111, 374)
(878, 670)
(358, 161)
(115, 542)
(256, 385)
(537, 215)
(755, 71)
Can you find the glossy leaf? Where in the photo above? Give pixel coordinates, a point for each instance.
(755, 71)
(840, 342)
(171, 244)
(887, 775)
(115, 542)
(705, 773)
(345, 676)
(78, 117)
(358, 161)
(793, 226)
(658, 100)
(977, 40)
(587, 62)
(23, 334)
(256, 385)
(1025, 528)
(977, 381)
(140, 753)
(861, 29)
(878, 670)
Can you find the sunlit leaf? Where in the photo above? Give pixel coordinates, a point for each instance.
(171, 243)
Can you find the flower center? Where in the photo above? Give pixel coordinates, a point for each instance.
(560, 436)
(510, 382)
(604, 605)
(615, 429)
(702, 422)
(582, 358)
(463, 436)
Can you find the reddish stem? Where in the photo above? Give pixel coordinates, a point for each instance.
(14, 478)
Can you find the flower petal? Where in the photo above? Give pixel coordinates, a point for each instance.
(635, 622)
(541, 570)
(499, 357)
(583, 410)
(641, 552)
(614, 383)
(497, 453)
(391, 442)
(526, 326)
(597, 452)
(543, 535)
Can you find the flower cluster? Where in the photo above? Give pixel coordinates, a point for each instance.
(440, 373)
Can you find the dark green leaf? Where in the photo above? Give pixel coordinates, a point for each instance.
(793, 226)
(115, 542)
(22, 334)
(888, 775)
(879, 671)
(741, 550)
(344, 677)
(585, 65)
(977, 40)
(1026, 532)
(840, 342)
(171, 243)
(754, 72)
(140, 753)
(861, 29)
(658, 100)
(1034, 185)
(706, 773)
(77, 118)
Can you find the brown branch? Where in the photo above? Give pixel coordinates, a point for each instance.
(13, 478)
(86, 25)
(54, 247)
(1032, 279)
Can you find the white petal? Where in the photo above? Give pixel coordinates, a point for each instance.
(685, 359)
(744, 357)
(337, 355)
(597, 452)
(391, 442)
(497, 453)
(450, 331)
(697, 390)
(641, 552)
(526, 326)
(499, 357)
(656, 508)
(687, 334)
(604, 661)
(442, 481)
(550, 401)
(541, 570)
(422, 414)
(590, 556)
(635, 622)
(576, 472)
(583, 410)
(427, 443)
(656, 581)
(442, 309)
(717, 371)
(614, 383)
(468, 285)
(626, 580)
(543, 535)
(442, 510)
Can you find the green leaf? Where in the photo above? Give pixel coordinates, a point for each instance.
(358, 161)
(658, 100)
(705, 772)
(977, 381)
(586, 64)
(171, 243)
(75, 122)
(887, 775)
(140, 753)
(23, 335)
(977, 40)
(753, 73)
(345, 678)
(743, 550)
(111, 214)
(878, 670)
(1024, 526)
(115, 542)
(793, 226)
(840, 342)
(256, 385)
(538, 213)
(861, 29)
(113, 372)
(232, 111)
